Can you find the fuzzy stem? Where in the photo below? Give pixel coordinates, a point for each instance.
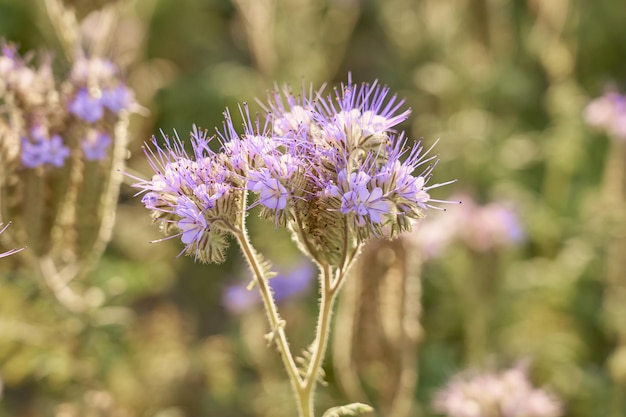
(331, 283)
(327, 300)
(275, 321)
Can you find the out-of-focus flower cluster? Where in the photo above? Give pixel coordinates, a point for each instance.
(607, 113)
(481, 228)
(329, 168)
(47, 118)
(505, 394)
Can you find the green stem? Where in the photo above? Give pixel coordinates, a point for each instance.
(276, 323)
(327, 300)
(331, 283)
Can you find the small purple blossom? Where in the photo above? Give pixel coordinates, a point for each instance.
(86, 107)
(117, 99)
(151, 200)
(365, 203)
(34, 153)
(192, 223)
(57, 152)
(272, 194)
(95, 145)
(40, 149)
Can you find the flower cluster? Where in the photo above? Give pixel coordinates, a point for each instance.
(608, 114)
(505, 394)
(482, 228)
(87, 103)
(330, 168)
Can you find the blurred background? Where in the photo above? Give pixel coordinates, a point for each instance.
(530, 268)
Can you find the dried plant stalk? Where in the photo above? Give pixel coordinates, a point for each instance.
(378, 323)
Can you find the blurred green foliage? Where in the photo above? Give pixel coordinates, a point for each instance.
(502, 83)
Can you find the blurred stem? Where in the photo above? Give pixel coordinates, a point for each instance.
(277, 330)
(557, 183)
(477, 299)
(65, 26)
(613, 181)
(615, 283)
(108, 199)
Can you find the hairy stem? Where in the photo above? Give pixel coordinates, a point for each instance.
(327, 300)
(276, 323)
(330, 283)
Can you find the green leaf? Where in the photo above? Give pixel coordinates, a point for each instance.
(353, 409)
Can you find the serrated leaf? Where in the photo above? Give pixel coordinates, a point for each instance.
(353, 409)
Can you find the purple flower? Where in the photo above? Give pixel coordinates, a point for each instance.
(192, 223)
(86, 107)
(193, 193)
(152, 200)
(57, 152)
(43, 150)
(34, 153)
(95, 145)
(117, 99)
(364, 202)
(272, 194)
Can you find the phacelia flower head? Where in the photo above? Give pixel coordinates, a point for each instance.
(505, 394)
(331, 169)
(193, 194)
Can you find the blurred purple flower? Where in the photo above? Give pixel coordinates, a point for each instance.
(238, 299)
(86, 107)
(57, 152)
(608, 114)
(118, 98)
(482, 228)
(505, 394)
(34, 153)
(43, 150)
(95, 145)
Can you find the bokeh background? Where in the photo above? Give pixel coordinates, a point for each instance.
(502, 83)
